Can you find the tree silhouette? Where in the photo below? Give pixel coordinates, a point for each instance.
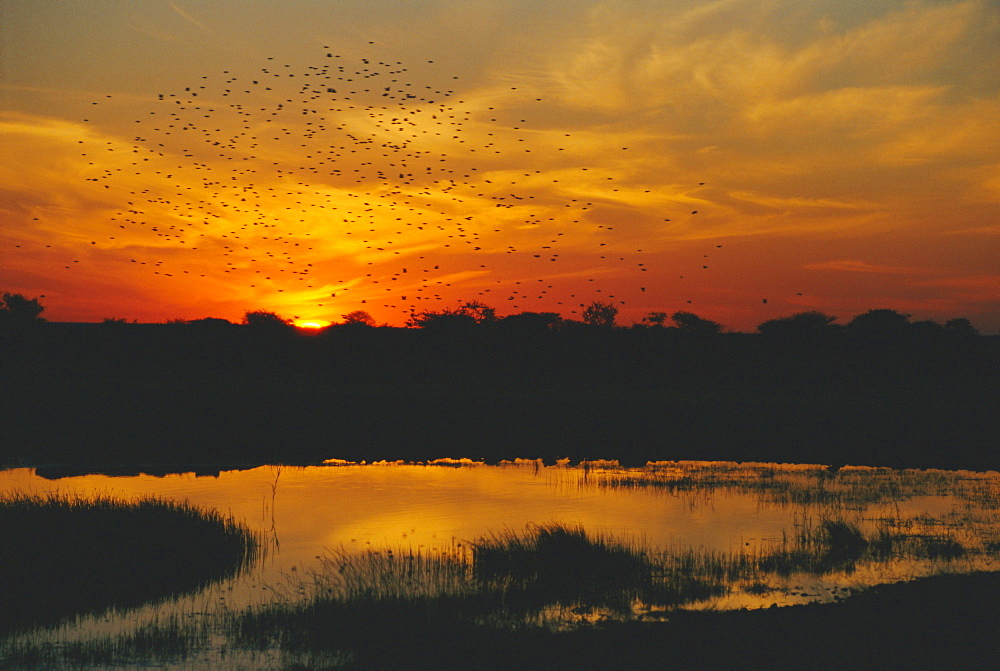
(468, 314)
(655, 318)
(600, 314)
(442, 320)
(264, 319)
(481, 312)
(18, 309)
(802, 325)
(880, 324)
(961, 327)
(689, 322)
(359, 317)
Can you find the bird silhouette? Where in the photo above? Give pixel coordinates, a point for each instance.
(256, 172)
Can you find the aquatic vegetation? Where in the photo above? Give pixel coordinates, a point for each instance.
(836, 505)
(826, 539)
(802, 484)
(548, 577)
(551, 577)
(65, 555)
(556, 563)
(505, 586)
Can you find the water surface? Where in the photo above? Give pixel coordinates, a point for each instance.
(715, 509)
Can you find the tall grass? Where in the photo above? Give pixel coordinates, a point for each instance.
(554, 564)
(550, 575)
(64, 554)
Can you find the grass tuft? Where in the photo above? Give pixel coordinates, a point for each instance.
(64, 555)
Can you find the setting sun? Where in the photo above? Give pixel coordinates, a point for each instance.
(311, 324)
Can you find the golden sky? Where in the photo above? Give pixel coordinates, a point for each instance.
(183, 159)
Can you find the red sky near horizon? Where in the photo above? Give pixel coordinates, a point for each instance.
(188, 159)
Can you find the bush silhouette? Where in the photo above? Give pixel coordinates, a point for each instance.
(359, 317)
(689, 322)
(802, 325)
(263, 319)
(600, 314)
(880, 324)
(18, 309)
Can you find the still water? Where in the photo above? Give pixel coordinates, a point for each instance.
(308, 510)
(710, 508)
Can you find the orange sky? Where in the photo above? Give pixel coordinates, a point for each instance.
(190, 159)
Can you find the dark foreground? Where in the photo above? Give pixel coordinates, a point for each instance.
(945, 622)
(181, 394)
(173, 395)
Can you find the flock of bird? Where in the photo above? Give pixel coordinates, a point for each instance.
(360, 177)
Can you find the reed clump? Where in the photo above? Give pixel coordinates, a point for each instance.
(65, 554)
(557, 564)
(549, 576)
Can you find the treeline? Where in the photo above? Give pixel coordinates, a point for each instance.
(880, 390)
(16, 309)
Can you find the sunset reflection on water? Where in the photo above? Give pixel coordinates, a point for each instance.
(412, 506)
(307, 512)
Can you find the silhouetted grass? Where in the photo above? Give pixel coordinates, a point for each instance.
(383, 608)
(549, 576)
(510, 599)
(827, 545)
(553, 563)
(65, 555)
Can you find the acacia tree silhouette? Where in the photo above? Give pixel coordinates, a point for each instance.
(655, 318)
(468, 314)
(359, 317)
(18, 309)
(443, 320)
(481, 312)
(689, 322)
(264, 319)
(799, 325)
(599, 313)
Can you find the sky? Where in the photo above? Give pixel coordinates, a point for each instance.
(740, 159)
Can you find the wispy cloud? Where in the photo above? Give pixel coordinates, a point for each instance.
(854, 266)
(187, 17)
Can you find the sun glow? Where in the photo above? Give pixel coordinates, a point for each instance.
(311, 324)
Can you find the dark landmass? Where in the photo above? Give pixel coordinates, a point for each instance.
(943, 622)
(121, 394)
